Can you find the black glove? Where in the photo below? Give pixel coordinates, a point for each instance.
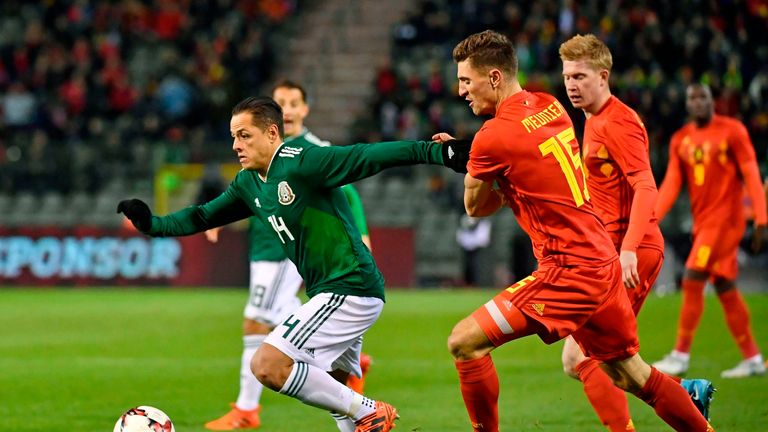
(456, 154)
(138, 212)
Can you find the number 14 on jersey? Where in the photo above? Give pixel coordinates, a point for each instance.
(278, 224)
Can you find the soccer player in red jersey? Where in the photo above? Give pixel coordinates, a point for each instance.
(529, 149)
(713, 155)
(623, 192)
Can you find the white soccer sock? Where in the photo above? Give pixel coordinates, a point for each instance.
(250, 387)
(757, 358)
(315, 387)
(681, 355)
(344, 423)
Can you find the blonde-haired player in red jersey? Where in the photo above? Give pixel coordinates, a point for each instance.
(529, 149)
(623, 191)
(715, 157)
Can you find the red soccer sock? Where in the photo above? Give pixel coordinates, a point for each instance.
(608, 401)
(480, 390)
(690, 313)
(672, 403)
(737, 317)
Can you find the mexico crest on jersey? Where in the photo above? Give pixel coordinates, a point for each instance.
(285, 193)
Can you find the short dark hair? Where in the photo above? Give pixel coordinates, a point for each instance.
(264, 110)
(487, 49)
(286, 83)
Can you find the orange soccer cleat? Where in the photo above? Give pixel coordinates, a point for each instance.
(381, 420)
(236, 419)
(355, 383)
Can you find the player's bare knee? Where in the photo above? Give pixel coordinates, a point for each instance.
(456, 344)
(268, 368)
(695, 274)
(627, 384)
(459, 343)
(254, 327)
(260, 367)
(571, 357)
(569, 367)
(622, 378)
(723, 285)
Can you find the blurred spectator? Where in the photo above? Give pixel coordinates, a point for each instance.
(40, 170)
(80, 78)
(386, 80)
(18, 106)
(73, 94)
(174, 97)
(658, 48)
(473, 235)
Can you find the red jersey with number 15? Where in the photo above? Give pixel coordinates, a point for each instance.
(529, 148)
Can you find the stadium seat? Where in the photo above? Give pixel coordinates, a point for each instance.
(5, 203)
(23, 209)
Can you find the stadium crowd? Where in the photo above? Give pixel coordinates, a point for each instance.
(658, 48)
(93, 90)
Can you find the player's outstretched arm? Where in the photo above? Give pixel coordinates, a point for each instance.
(224, 209)
(337, 166)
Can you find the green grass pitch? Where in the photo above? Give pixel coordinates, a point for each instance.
(74, 359)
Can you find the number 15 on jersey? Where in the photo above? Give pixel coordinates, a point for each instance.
(559, 146)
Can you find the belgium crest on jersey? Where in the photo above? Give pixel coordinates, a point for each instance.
(285, 193)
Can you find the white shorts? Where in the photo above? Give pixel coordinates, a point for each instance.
(273, 289)
(327, 331)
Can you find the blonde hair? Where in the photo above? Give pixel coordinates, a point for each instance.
(588, 48)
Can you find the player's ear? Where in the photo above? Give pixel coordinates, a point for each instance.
(273, 132)
(605, 74)
(494, 76)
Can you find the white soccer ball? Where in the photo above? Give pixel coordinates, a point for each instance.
(144, 419)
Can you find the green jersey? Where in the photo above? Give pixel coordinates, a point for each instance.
(356, 205)
(301, 204)
(263, 244)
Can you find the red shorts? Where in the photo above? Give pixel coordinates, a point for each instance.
(588, 302)
(715, 249)
(649, 262)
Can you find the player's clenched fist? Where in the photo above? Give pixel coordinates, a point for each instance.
(138, 212)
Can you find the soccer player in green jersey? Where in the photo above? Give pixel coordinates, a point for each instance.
(274, 279)
(292, 98)
(293, 190)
